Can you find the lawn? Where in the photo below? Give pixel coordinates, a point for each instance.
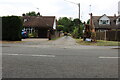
(11, 42)
(98, 43)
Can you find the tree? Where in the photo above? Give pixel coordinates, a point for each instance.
(78, 31)
(60, 27)
(76, 22)
(32, 13)
(78, 28)
(72, 26)
(66, 22)
(88, 21)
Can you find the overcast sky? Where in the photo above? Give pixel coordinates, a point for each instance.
(59, 8)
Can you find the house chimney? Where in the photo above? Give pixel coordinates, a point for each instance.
(114, 15)
(23, 14)
(90, 19)
(38, 14)
(91, 23)
(119, 8)
(84, 23)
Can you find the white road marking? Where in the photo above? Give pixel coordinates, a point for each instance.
(14, 54)
(109, 57)
(31, 55)
(43, 55)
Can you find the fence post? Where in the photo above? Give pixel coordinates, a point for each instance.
(105, 34)
(116, 35)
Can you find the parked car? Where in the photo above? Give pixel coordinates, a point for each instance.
(24, 34)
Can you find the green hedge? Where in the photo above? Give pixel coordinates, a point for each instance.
(11, 28)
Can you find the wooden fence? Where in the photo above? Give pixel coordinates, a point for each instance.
(108, 35)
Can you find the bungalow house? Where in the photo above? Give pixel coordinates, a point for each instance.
(41, 25)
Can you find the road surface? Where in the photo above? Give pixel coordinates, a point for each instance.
(62, 58)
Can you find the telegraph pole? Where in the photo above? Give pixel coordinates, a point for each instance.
(78, 7)
(78, 13)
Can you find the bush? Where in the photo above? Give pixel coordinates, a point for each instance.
(32, 35)
(77, 32)
(11, 28)
(60, 28)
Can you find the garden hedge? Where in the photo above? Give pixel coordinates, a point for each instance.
(11, 28)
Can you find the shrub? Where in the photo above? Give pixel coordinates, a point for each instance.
(77, 32)
(11, 28)
(32, 35)
(60, 28)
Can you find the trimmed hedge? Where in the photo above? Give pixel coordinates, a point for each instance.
(11, 28)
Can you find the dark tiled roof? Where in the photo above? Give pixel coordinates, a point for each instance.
(112, 22)
(39, 21)
(117, 16)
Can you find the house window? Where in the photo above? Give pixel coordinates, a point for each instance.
(104, 21)
(118, 19)
(25, 20)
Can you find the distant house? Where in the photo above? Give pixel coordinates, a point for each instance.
(104, 22)
(41, 25)
(106, 27)
(118, 21)
(119, 8)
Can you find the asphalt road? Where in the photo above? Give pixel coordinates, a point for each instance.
(62, 58)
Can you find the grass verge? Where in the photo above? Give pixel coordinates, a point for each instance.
(11, 42)
(98, 43)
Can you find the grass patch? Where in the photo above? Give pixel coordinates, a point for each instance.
(98, 43)
(11, 42)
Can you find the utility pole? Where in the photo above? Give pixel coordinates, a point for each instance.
(90, 9)
(78, 4)
(78, 7)
(37, 9)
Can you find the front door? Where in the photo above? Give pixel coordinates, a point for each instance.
(42, 33)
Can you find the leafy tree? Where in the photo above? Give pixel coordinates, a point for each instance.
(78, 28)
(75, 32)
(88, 21)
(66, 22)
(74, 26)
(78, 31)
(76, 22)
(60, 27)
(33, 13)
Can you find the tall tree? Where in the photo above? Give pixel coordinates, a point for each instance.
(74, 26)
(78, 28)
(32, 13)
(76, 22)
(66, 22)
